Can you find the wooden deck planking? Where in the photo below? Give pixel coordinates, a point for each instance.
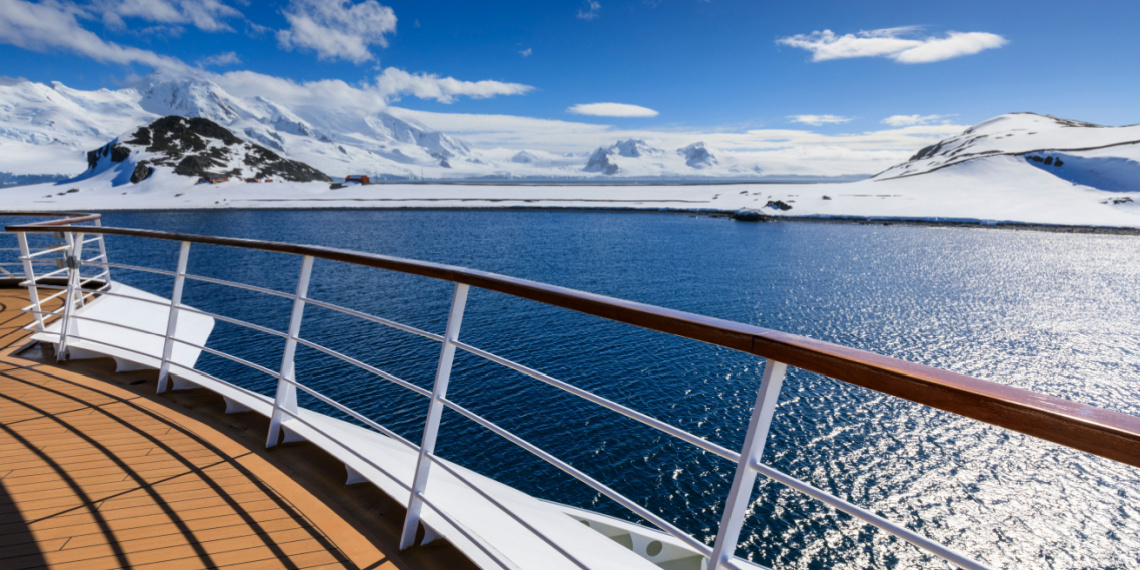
(93, 476)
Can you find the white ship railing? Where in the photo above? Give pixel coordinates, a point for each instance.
(1102, 432)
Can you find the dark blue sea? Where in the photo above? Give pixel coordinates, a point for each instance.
(1057, 313)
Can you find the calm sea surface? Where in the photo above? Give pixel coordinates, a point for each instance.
(1051, 312)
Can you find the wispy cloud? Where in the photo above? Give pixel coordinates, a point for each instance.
(227, 58)
(819, 120)
(612, 110)
(589, 10)
(54, 26)
(909, 120)
(904, 45)
(337, 29)
(208, 15)
(526, 52)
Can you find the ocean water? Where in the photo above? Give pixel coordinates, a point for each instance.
(1052, 312)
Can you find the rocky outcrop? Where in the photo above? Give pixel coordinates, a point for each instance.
(197, 147)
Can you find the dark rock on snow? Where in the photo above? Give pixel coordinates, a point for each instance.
(778, 205)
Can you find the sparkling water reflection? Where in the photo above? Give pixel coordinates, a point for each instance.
(1051, 312)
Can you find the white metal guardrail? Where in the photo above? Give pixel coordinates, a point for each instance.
(285, 406)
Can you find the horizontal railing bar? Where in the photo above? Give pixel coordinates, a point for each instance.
(31, 256)
(581, 476)
(454, 473)
(52, 274)
(1082, 427)
(359, 417)
(71, 218)
(227, 356)
(385, 375)
(232, 321)
(375, 319)
(240, 286)
(113, 324)
(467, 534)
(867, 517)
(608, 404)
(310, 425)
(132, 268)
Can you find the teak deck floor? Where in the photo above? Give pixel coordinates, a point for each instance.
(96, 471)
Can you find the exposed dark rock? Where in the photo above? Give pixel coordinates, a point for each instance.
(199, 148)
(1058, 162)
(114, 150)
(1049, 161)
(926, 152)
(1117, 201)
(778, 205)
(826, 197)
(142, 172)
(747, 215)
(1036, 159)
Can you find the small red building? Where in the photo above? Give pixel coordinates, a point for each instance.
(358, 178)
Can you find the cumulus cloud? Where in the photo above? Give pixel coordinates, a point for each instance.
(227, 58)
(589, 10)
(611, 110)
(208, 15)
(54, 26)
(337, 29)
(819, 120)
(909, 120)
(904, 45)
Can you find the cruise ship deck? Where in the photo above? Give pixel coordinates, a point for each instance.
(96, 471)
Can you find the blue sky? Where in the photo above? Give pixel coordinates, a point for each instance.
(701, 65)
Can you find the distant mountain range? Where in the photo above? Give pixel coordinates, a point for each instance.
(46, 130)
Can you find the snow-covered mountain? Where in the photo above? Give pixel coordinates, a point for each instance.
(46, 130)
(1105, 158)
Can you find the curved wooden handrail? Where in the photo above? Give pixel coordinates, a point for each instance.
(1079, 426)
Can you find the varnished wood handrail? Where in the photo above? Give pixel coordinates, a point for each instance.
(1079, 426)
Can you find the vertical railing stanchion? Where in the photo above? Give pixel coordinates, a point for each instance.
(286, 396)
(736, 505)
(103, 255)
(69, 303)
(30, 278)
(172, 318)
(435, 412)
(77, 261)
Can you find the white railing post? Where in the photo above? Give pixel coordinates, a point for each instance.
(103, 255)
(76, 261)
(172, 318)
(286, 396)
(736, 505)
(70, 300)
(435, 412)
(30, 278)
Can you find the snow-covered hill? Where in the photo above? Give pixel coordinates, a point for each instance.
(1105, 158)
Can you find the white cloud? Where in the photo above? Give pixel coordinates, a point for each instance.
(526, 52)
(909, 120)
(904, 45)
(589, 10)
(819, 120)
(54, 26)
(227, 58)
(394, 83)
(208, 15)
(337, 29)
(611, 110)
